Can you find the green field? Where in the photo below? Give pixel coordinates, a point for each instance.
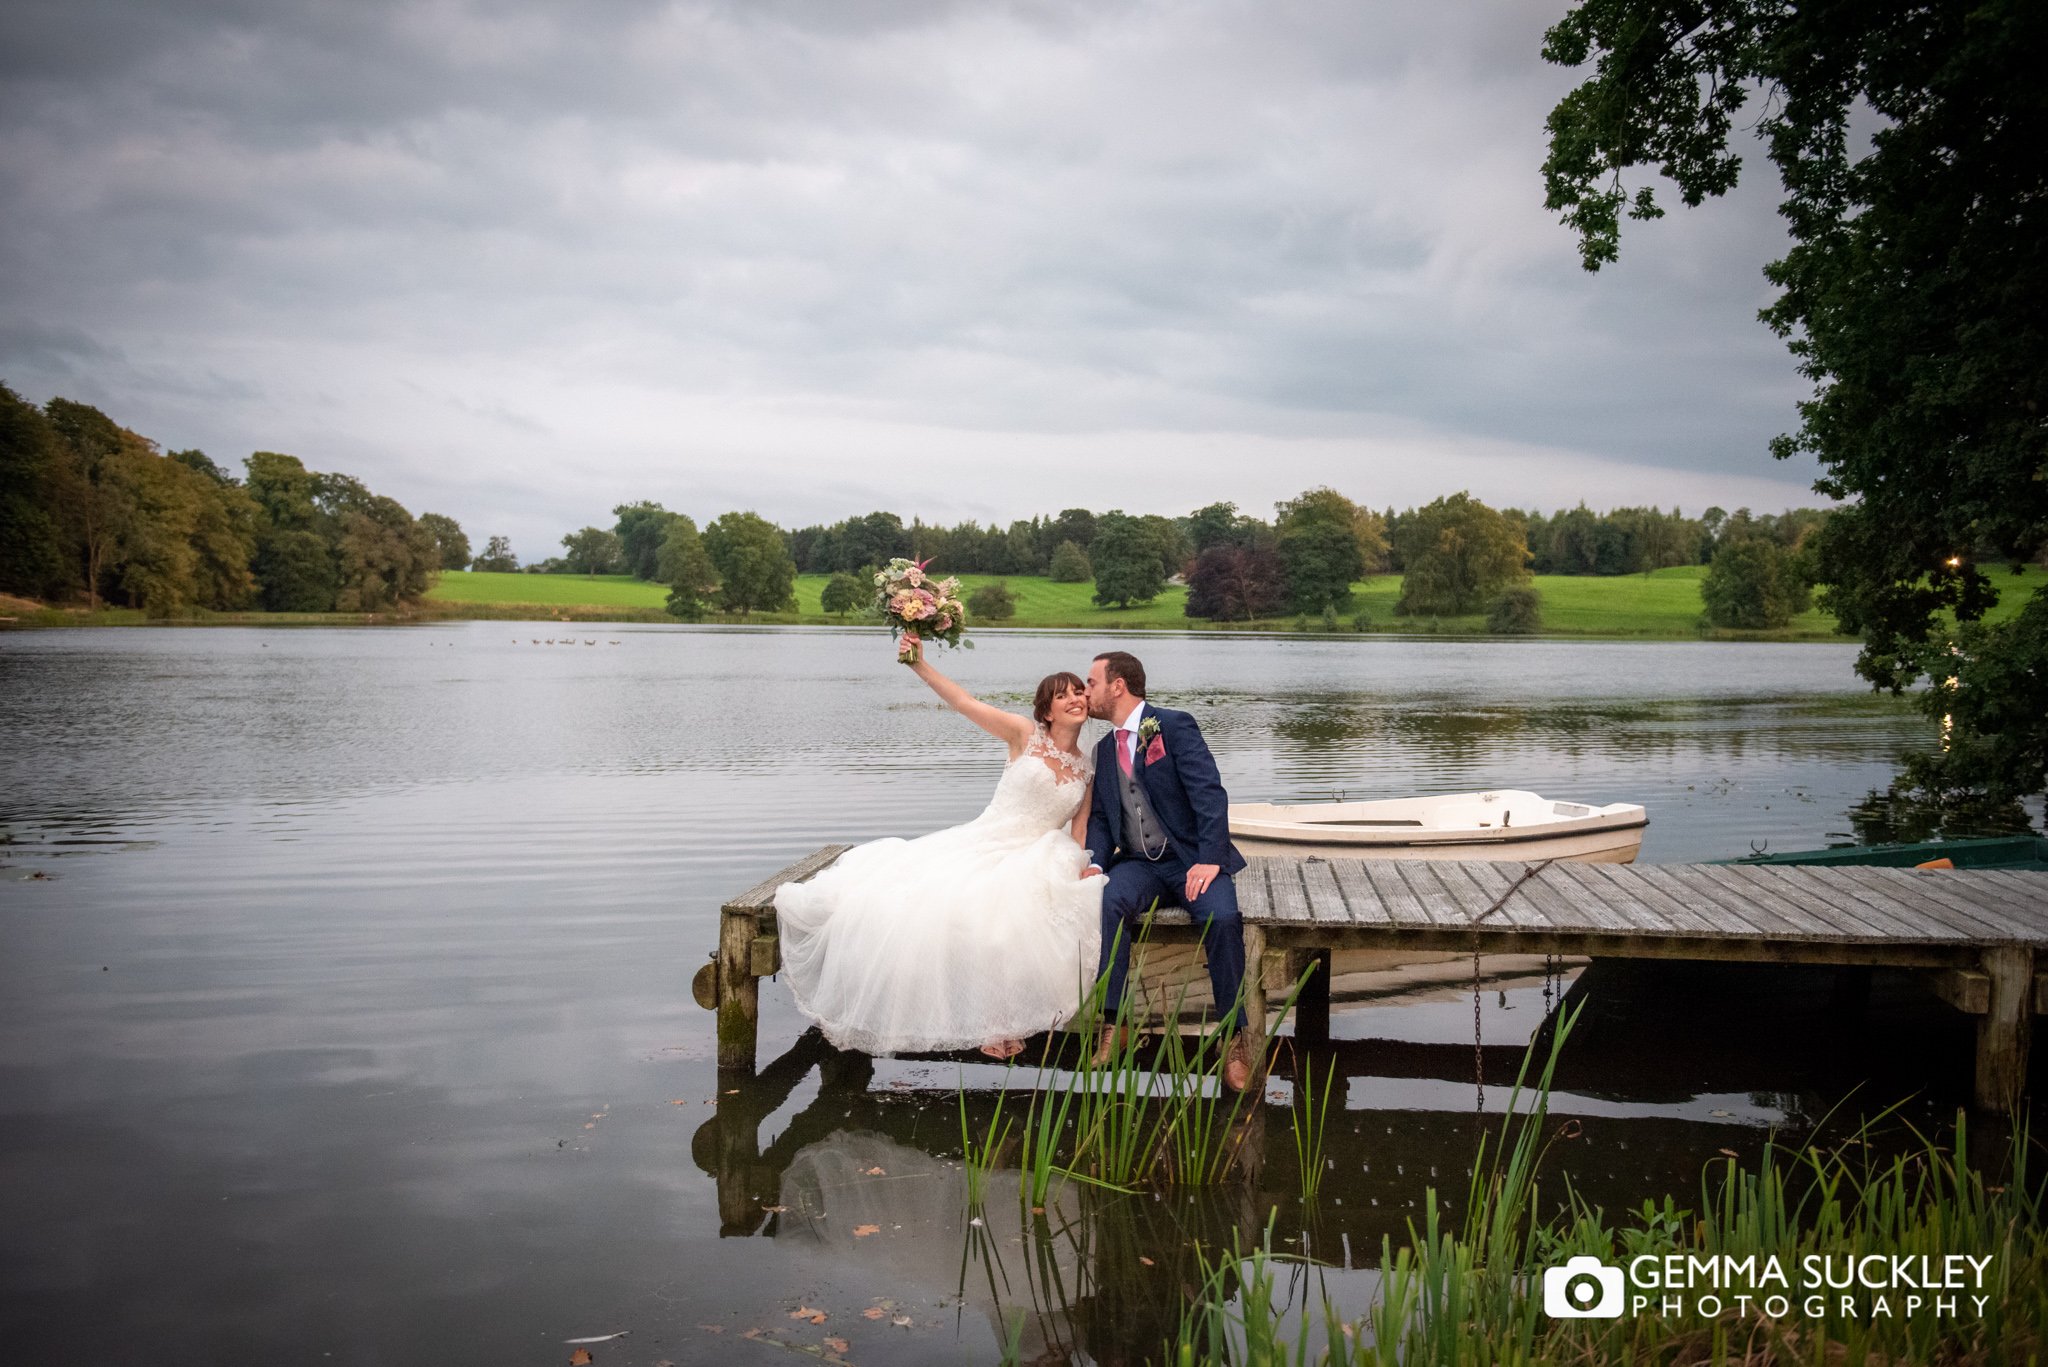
(1660, 606)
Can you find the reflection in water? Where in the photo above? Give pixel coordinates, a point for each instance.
(1672, 1065)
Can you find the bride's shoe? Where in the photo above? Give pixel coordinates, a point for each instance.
(1003, 1049)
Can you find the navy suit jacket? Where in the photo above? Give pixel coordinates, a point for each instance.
(1185, 791)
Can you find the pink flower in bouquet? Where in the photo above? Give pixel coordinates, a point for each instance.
(914, 575)
(927, 597)
(945, 623)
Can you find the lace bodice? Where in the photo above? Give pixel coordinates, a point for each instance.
(1042, 788)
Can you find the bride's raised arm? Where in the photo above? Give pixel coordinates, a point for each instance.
(1007, 727)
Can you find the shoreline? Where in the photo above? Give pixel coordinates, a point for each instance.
(44, 617)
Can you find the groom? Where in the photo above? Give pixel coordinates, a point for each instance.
(1160, 825)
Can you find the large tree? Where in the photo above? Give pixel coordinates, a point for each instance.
(1126, 559)
(755, 571)
(451, 543)
(1460, 554)
(1913, 297)
(593, 551)
(497, 557)
(640, 529)
(1236, 583)
(686, 568)
(36, 545)
(1327, 543)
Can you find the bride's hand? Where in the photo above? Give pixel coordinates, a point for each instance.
(910, 648)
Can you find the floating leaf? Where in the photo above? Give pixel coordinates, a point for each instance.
(805, 1312)
(862, 1231)
(1147, 1261)
(1731, 1153)
(901, 1321)
(837, 1345)
(873, 1312)
(876, 1172)
(579, 1358)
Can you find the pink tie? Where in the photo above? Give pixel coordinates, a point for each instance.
(1123, 752)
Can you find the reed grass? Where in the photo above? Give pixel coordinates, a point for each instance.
(980, 1153)
(1310, 1121)
(1472, 1296)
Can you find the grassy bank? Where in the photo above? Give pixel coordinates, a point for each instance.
(1664, 606)
(1661, 606)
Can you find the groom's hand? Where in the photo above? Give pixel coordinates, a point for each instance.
(1200, 876)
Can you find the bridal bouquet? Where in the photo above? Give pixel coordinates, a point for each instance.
(909, 600)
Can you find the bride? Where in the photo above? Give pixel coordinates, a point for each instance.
(976, 935)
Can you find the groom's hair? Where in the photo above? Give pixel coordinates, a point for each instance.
(1121, 664)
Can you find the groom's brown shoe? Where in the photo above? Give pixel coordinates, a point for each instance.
(1237, 1063)
(1113, 1039)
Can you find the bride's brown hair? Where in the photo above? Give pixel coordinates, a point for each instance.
(1052, 686)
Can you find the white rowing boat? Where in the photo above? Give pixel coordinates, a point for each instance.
(1507, 824)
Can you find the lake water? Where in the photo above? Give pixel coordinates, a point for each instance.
(347, 976)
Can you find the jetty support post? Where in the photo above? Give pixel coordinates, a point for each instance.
(1312, 1005)
(2005, 1030)
(1255, 998)
(739, 991)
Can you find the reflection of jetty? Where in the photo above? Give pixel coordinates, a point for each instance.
(1979, 932)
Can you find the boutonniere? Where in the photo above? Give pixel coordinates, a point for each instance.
(1149, 743)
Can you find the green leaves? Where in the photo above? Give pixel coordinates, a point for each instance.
(1913, 295)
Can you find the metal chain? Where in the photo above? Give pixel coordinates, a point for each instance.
(1478, 1051)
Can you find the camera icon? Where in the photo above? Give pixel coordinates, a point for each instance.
(1583, 1289)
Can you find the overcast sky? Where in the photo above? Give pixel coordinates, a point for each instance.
(521, 262)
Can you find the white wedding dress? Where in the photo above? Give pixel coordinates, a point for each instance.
(971, 934)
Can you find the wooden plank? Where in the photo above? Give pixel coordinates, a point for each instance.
(1932, 890)
(1325, 899)
(1404, 908)
(762, 894)
(1712, 904)
(1791, 903)
(2027, 891)
(1254, 895)
(1290, 896)
(1929, 921)
(1495, 877)
(1472, 898)
(1587, 883)
(1439, 906)
(1626, 881)
(1551, 888)
(1361, 898)
(1768, 908)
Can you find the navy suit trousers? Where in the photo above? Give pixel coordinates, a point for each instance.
(1134, 886)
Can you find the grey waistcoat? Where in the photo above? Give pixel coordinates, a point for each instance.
(1142, 831)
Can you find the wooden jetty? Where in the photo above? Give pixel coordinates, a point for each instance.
(1980, 933)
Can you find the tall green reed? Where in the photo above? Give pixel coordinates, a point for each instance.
(1310, 1120)
(1471, 1295)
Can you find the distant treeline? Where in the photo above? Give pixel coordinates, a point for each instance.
(1456, 555)
(89, 509)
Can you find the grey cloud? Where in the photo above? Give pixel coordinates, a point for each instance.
(462, 222)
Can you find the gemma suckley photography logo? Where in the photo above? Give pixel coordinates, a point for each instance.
(1866, 1286)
